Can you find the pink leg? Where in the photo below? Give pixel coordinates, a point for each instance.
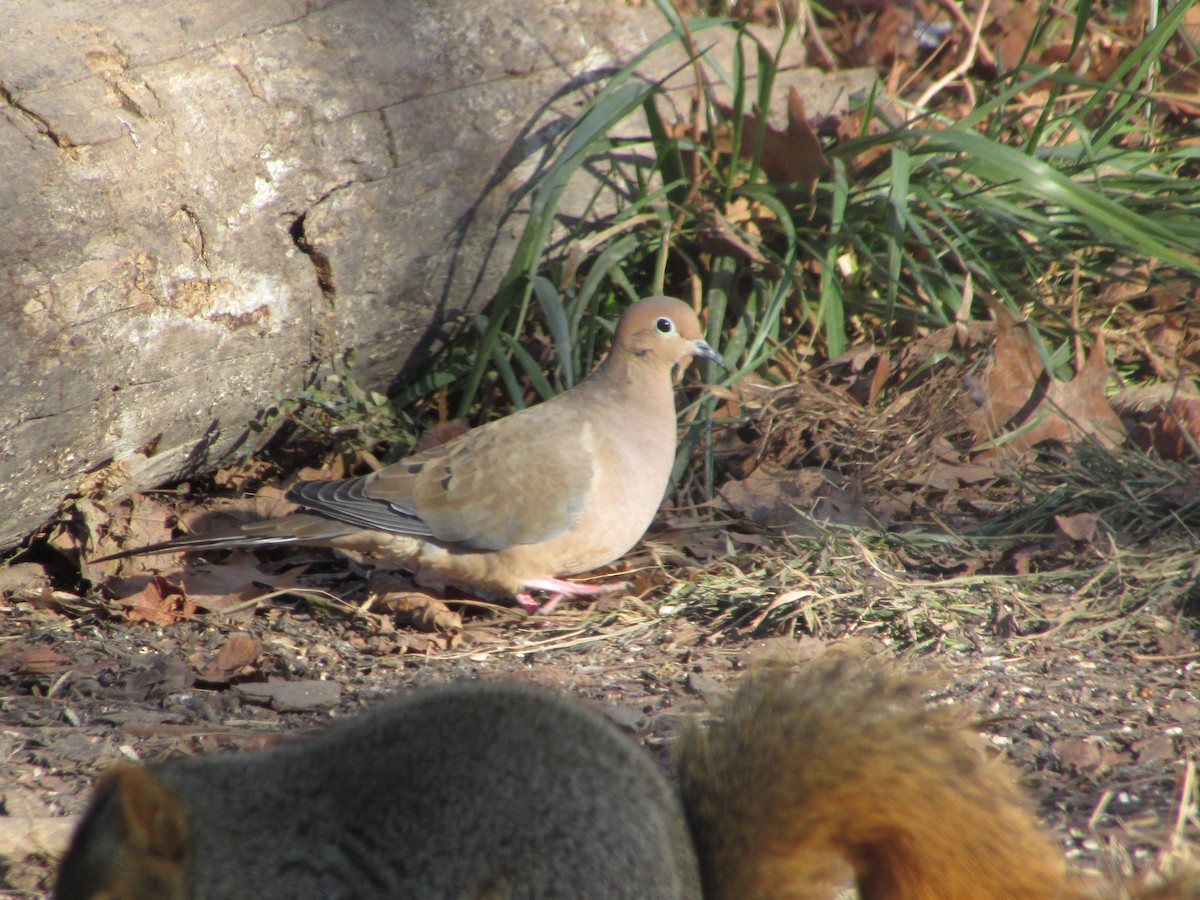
(527, 602)
(558, 589)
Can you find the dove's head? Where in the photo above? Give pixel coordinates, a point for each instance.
(662, 330)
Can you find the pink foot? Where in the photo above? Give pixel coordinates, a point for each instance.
(559, 589)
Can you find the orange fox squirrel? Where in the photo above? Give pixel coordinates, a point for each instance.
(488, 791)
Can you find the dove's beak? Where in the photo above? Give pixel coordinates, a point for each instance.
(701, 348)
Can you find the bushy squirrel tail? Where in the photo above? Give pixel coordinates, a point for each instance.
(805, 774)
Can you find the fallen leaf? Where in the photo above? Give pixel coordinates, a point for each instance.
(1089, 754)
(230, 586)
(24, 835)
(1079, 527)
(1155, 747)
(238, 653)
(790, 155)
(29, 579)
(413, 608)
(292, 696)
(946, 476)
(151, 599)
(788, 499)
(1164, 418)
(1078, 755)
(1023, 405)
(42, 661)
(268, 502)
(706, 687)
(163, 673)
(1183, 708)
(717, 236)
(441, 433)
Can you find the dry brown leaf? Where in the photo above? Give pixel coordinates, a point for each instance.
(268, 502)
(230, 584)
(23, 579)
(386, 593)
(790, 155)
(1008, 31)
(718, 237)
(1164, 418)
(441, 433)
(786, 498)
(1079, 527)
(1024, 405)
(238, 653)
(151, 599)
(145, 520)
(42, 661)
(292, 696)
(25, 835)
(947, 476)
(883, 371)
(1155, 747)
(1086, 754)
(421, 611)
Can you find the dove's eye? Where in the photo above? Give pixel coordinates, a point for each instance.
(664, 325)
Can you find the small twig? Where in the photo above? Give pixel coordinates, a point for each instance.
(812, 33)
(697, 107)
(954, 9)
(1091, 24)
(967, 61)
(1187, 803)
(1099, 809)
(1164, 657)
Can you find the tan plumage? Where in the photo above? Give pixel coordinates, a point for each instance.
(557, 489)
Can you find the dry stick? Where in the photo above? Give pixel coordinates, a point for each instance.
(968, 60)
(1187, 802)
(1164, 657)
(1092, 25)
(697, 105)
(1184, 431)
(1099, 809)
(954, 9)
(916, 73)
(813, 33)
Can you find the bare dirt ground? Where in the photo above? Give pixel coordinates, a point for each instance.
(1096, 704)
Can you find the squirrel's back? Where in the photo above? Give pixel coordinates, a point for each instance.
(464, 791)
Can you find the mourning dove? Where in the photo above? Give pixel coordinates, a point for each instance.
(507, 508)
